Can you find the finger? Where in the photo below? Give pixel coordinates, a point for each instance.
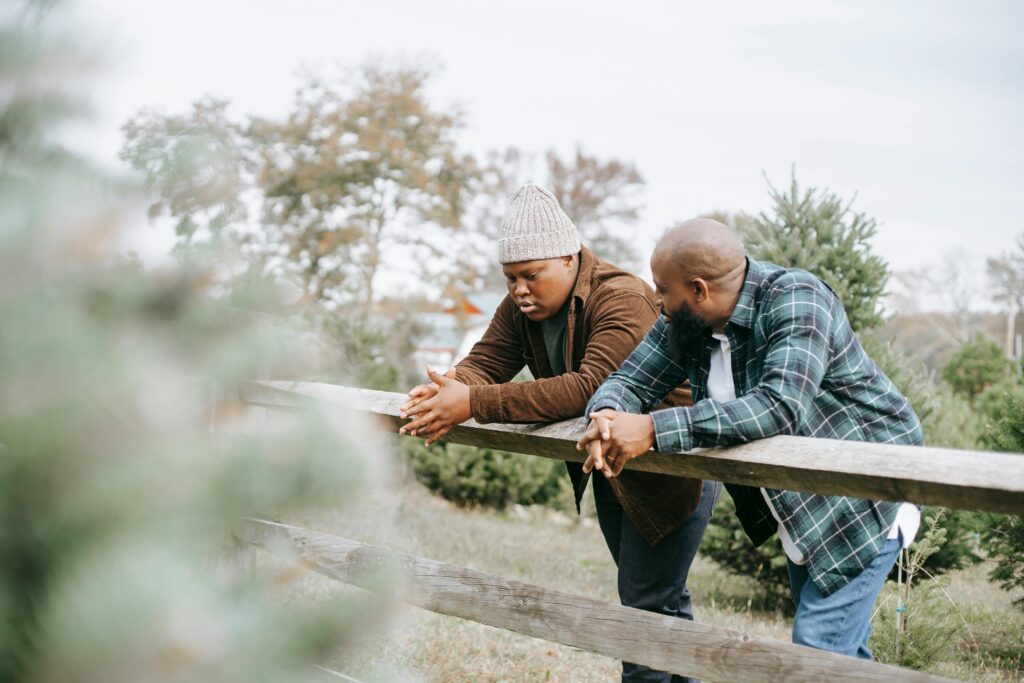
(595, 454)
(590, 435)
(439, 380)
(451, 373)
(603, 426)
(419, 390)
(438, 435)
(416, 424)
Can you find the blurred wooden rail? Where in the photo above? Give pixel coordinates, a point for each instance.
(665, 643)
(967, 480)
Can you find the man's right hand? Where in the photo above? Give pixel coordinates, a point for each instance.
(422, 392)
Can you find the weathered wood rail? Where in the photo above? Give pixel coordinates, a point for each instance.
(958, 479)
(666, 643)
(966, 480)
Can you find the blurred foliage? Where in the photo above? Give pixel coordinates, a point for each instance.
(819, 232)
(126, 455)
(472, 476)
(978, 365)
(360, 165)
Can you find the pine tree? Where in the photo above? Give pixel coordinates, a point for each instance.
(821, 233)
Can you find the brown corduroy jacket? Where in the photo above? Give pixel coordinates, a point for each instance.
(610, 311)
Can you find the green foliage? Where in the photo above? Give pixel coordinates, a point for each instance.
(1002, 409)
(472, 476)
(727, 544)
(126, 455)
(819, 232)
(1005, 542)
(917, 624)
(978, 365)
(947, 419)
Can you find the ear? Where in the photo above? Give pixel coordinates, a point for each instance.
(567, 261)
(700, 289)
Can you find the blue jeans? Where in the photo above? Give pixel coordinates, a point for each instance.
(840, 622)
(652, 578)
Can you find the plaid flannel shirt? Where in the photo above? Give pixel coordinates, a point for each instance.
(798, 369)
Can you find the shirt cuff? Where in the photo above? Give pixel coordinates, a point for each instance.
(672, 430)
(485, 402)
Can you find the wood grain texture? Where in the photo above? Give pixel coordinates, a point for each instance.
(661, 642)
(967, 480)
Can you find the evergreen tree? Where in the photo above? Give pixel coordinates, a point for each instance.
(820, 232)
(124, 468)
(978, 365)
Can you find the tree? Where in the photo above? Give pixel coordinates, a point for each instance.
(200, 165)
(1003, 408)
(602, 198)
(820, 232)
(978, 364)
(360, 166)
(1006, 273)
(115, 493)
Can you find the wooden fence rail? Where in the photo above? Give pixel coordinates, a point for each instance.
(958, 479)
(969, 480)
(662, 642)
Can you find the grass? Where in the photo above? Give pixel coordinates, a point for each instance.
(568, 553)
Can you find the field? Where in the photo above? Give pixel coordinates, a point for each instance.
(552, 549)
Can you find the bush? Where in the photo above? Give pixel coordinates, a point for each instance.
(470, 476)
(978, 365)
(1003, 409)
(916, 624)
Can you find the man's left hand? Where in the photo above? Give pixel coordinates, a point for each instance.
(435, 416)
(622, 437)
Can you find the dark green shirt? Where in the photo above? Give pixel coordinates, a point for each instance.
(553, 329)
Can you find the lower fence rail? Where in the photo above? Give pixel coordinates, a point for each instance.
(665, 643)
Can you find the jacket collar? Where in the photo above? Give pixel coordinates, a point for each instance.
(743, 314)
(585, 276)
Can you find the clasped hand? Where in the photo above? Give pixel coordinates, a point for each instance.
(436, 407)
(612, 439)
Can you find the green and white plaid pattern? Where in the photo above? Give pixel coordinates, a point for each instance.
(798, 369)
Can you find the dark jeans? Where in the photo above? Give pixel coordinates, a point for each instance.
(652, 579)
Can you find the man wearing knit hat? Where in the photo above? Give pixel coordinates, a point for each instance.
(572, 319)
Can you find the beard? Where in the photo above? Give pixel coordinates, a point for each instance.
(685, 329)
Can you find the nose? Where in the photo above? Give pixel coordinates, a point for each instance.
(520, 289)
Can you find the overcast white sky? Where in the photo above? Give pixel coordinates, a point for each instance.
(916, 107)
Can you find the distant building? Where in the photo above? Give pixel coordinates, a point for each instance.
(451, 332)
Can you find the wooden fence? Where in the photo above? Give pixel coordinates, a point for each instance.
(958, 479)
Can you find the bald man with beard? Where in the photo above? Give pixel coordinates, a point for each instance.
(768, 350)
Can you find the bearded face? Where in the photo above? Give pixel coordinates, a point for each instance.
(685, 329)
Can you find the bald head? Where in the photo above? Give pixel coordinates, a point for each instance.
(702, 248)
(699, 268)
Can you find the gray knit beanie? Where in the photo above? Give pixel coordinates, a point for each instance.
(535, 227)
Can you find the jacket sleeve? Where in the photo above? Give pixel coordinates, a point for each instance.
(620, 320)
(498, 356)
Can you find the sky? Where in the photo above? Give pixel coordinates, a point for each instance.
(915, 108)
